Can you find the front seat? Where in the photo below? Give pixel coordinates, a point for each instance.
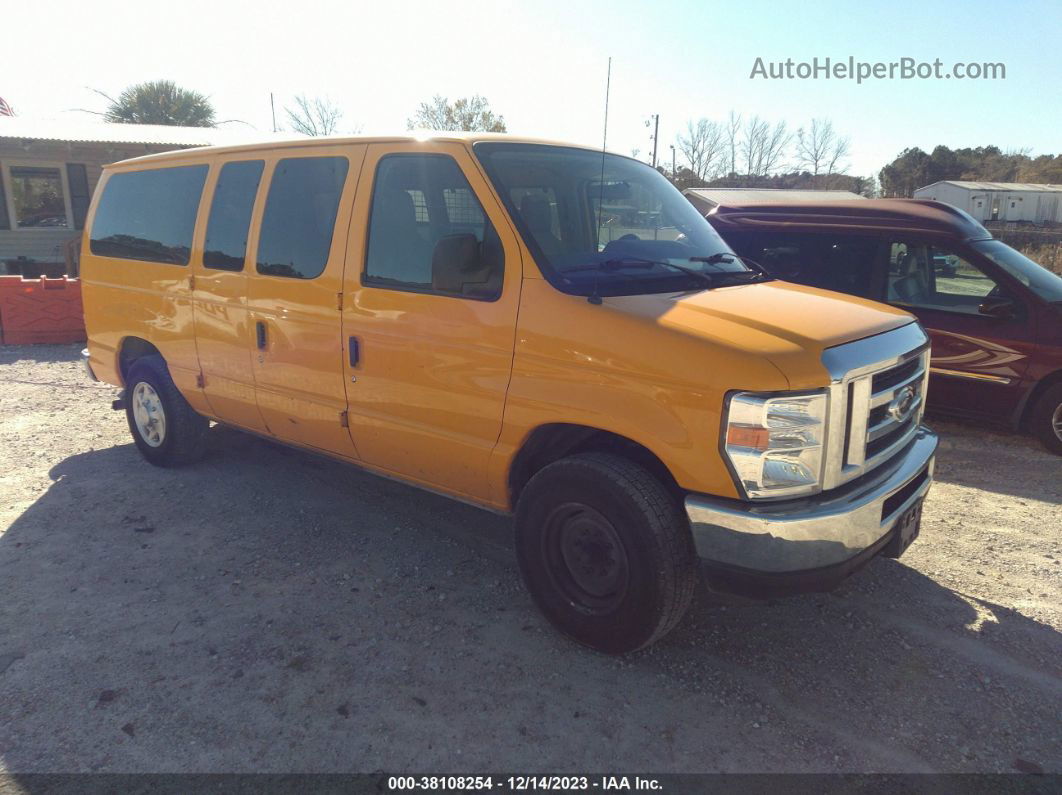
(536, 212)
(396, 249)
(910, 286)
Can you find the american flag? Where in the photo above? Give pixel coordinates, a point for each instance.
(5, 109)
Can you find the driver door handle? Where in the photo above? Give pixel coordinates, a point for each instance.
(260, 334)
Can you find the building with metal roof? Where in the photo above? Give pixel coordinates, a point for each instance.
(705, 199)
(1004, 202)
(49, 168)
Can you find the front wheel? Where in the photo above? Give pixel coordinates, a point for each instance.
(167, 431)
(1047, 419)
(605, 551)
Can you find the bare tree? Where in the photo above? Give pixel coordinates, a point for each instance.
(776, 144)
(317, 116)
(813, 144)
(733, 130)
(702, 146)
(763, 148)
(821, 150)
(835, 158)
(753, 140)
(472, 115)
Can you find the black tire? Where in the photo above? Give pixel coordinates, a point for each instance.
(605, 551)
(178, 436)
(1046, 419)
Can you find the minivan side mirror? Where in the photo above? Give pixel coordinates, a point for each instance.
(454, 262)
(999, 308)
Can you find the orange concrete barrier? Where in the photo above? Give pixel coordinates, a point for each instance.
(40, 310)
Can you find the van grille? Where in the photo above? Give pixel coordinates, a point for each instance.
(884, 412)
(877, 396)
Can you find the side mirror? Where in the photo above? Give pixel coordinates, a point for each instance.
(454, 261)
(999, 308)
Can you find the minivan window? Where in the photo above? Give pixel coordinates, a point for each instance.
(604, 224)
(1037, 278)
(844, 263)
(424, 214)
(922, 275)
(300, 216)
(149, 215)
(230, 215)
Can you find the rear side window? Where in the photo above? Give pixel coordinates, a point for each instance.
(300, 216)
(149, 215)
(230, 215)
(844, 263)
(428, 232)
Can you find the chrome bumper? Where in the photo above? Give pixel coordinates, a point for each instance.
(816, 532)
(88, 365)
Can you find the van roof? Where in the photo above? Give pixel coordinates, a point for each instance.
(339, 140)
(910, 215)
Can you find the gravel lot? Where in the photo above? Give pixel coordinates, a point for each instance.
(268, 610)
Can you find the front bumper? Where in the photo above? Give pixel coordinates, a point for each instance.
(810, 543)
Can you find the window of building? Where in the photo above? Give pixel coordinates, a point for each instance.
(5, 223)
(300, 216)
(149, 215)
(230, 215)
(404, 251)
(38, 197)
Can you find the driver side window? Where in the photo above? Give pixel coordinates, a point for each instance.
(428, 232)
(922, 275)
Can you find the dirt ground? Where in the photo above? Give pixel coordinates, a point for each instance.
(268, 610)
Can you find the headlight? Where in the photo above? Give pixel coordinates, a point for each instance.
(775, 443)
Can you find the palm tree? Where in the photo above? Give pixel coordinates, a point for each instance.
(160, 102)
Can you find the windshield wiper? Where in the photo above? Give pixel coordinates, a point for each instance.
(709, 280)
(722, 256)
(617, 263)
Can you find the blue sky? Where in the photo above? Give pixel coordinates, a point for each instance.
(542, 64)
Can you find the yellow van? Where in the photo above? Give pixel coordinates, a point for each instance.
(535, 328)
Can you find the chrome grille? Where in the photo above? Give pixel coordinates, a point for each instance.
(877, 398)
(894, 409)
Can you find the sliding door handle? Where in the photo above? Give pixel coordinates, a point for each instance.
(355, 351)
(260, 334)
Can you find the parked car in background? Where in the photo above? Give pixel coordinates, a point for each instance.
(995, 316)
(539, 329)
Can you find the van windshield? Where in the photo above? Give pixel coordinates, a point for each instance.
(607, 224)
(1036, 277)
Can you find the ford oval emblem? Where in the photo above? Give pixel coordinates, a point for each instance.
(900, 406)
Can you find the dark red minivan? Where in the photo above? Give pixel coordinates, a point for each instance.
(995, 316)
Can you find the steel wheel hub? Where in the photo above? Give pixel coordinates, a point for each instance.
(1056, 421)
(148, 414)
(586, 557)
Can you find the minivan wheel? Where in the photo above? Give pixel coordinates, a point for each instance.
(1047, 419)
(605, 551)
(167, 431)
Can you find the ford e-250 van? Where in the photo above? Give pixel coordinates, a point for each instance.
(535, 328)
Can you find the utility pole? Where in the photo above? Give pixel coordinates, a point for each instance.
(656, 134)
(273, 110)
(672, 161)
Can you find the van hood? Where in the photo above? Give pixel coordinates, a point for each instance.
(789, 324)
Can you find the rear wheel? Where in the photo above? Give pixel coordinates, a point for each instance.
(167, 431)
(1047, 419)
(605, 551)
